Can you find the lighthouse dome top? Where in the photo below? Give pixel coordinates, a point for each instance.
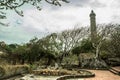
(92, 13)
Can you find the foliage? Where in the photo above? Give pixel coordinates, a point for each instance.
(16, 4)
(85, 47)
(112, 44)
(103, 33)
(57, 46)
(70, 60)
(115, 41)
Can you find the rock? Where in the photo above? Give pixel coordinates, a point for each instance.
(94, 64)
(113, 61)
(28, 77)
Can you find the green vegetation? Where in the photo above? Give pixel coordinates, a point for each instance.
(61, 47)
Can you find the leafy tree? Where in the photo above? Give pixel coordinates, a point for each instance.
(33, 50)
(47, 45)
(84, 47)
(21, 52)
(40, 48)
(9, 49)
(115, 41)
(16, 4)
(106, 51)
(60, 45)
(69, 39)
(103, 33)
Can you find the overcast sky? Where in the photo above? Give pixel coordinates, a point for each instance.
(55, 19)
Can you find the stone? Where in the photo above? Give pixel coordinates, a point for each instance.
(28, 77)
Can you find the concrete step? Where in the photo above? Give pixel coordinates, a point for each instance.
(114, 71)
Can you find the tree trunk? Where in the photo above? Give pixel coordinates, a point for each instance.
(23, 61)
(79, 61)
(48, 62)
(97, 53)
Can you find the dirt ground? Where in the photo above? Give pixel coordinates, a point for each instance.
(103, 75)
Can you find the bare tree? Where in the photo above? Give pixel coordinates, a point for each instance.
(114, 42)
(103, 33)
(70, 39)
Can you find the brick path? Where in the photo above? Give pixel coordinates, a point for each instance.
(103, 75)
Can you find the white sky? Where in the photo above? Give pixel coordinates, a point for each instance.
(55, 19)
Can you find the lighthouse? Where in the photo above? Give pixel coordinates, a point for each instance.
(93, 26)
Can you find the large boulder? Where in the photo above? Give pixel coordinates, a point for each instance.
(27, 77)
(94, 64)
(113, 61)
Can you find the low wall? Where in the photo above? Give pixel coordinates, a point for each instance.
(47, 72)
(64, 74)
(76, 76)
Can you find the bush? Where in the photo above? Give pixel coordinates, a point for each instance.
(104, 55)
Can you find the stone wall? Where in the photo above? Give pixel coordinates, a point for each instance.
(88, 75)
